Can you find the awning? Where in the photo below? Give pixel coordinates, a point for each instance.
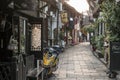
(25, 4)
(19, 4)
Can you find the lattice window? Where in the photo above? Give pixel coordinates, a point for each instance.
(36, 37)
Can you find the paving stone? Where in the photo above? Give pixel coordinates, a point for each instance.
(61, 75)
(78, 63)
(68, 79)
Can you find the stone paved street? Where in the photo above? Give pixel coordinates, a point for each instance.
(78, 63)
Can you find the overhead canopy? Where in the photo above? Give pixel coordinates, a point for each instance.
(26, 4)
(19, 4)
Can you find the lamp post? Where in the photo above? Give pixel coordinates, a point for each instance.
(51, 29)
(57, 26)
(59, 9)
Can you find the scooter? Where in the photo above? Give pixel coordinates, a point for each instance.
(50, 61)
(58, 48)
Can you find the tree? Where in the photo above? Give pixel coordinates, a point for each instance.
(111, 17)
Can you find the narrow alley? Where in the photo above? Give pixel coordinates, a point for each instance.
(34, 32)
(78, 63)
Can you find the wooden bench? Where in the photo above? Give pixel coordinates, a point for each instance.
(34, 74)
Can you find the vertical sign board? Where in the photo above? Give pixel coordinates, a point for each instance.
(114, 56)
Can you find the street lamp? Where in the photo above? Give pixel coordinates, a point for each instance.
(71, 19)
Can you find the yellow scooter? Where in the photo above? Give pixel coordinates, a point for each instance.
(50, 61)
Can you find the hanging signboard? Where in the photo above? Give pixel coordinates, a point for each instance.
(64, 17)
